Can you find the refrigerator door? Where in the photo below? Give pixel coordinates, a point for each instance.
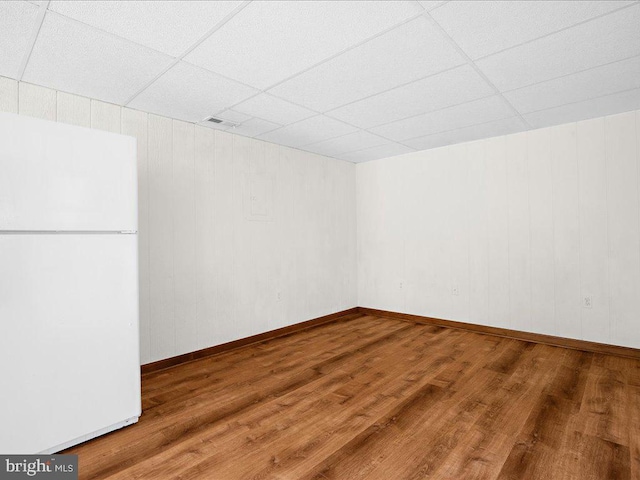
(59, 177)
(69, 341)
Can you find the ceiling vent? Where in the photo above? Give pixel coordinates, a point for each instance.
(220, 121)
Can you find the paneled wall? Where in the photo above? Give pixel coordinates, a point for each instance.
(237, 236)
(536, 231)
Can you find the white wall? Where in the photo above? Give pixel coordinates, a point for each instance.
(524, 226)
(237, 236)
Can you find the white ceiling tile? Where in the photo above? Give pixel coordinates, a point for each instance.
(75, 58)
(276, 39)
(310, 130)
(596, 82)
(347, 143)
(452, 118)
(596, 107)
(467, 134)
(17, 21)
(167, 26)
(254, 127)
(374, 153)
(607, 39)
(190, 93)
(406, 53)
(460, 85)
(484, 27)
(429, 5)
(564, 61)
(233, 116)
(273, 109)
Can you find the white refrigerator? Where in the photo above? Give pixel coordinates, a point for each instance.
(69, 348)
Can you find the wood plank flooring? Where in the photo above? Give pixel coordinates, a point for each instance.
(379, 398)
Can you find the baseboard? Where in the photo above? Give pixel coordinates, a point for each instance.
(507, 333)
(261, 337)
(357, 311)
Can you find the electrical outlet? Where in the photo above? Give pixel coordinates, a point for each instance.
(454, 290)
(279, 296)
(401, 285)
(587, 302)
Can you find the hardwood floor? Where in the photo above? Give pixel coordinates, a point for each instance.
(379, 398)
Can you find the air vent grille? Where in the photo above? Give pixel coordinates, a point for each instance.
(220, 121)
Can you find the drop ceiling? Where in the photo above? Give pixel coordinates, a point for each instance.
(347, 79)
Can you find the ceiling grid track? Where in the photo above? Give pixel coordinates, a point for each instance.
(328, 59)
(472, 64)
(353, 81)
(34, 37)
(177, 60)
(569, 27)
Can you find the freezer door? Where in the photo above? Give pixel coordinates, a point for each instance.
(69, 342)
(63, 177)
